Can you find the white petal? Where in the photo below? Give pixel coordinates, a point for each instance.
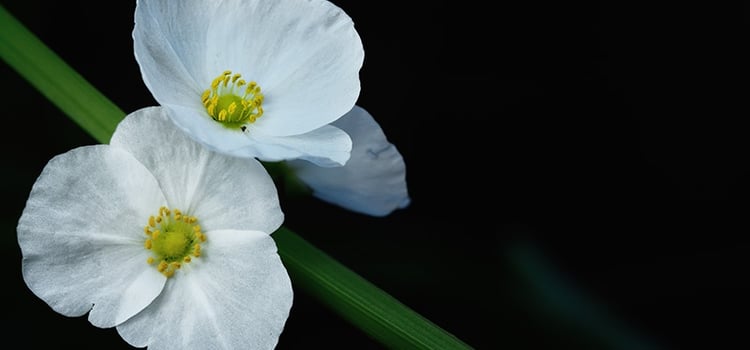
(372, 182)
(325, 146)
(305, 55)
(222, 191)
(235, 296)
(81, 235)
(170, 47)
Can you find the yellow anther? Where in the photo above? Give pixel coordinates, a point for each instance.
(147, 230)
(155, 234)
(197, 250)
(158, 219)
(150, 260)
(205, 96)
(226, 72)
(147, 244)
(232, 107)
(215, 83)
(162, 266)
(223, 115)
(152, 221)
(187, 259)
(235, 77)
(197, 228)
(175, 265)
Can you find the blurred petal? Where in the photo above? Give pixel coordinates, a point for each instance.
(81, 235)
(372, 182)
(236, 297)
(222, 191)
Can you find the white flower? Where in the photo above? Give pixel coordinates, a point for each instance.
(160, 237)
(372, 182)
(253, 78)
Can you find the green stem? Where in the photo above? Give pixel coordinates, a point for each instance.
(56, 80)
(365, 305)
(359, 301)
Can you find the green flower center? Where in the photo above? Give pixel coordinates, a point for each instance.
(233, 102)
(173, 239)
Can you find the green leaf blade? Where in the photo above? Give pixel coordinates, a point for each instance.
(56, 80)
(359, 301)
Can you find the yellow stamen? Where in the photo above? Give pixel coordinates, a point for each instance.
(232, 101)
(162, 266)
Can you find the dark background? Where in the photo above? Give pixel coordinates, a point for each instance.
(578, 172)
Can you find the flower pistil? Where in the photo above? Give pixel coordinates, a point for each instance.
(173, 238)
(232, 101)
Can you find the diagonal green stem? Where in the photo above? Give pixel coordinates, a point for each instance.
(359, 301)
(57, 81)
(365, 305)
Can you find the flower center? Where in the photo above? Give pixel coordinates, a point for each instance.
(233, 102)
(173, 239)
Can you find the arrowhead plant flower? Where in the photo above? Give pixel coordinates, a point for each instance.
(253, 78)
(372, 182)
(157, 236)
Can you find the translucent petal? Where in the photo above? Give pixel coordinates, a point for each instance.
(372, 182)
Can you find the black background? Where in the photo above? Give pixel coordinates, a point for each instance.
(601, 142)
